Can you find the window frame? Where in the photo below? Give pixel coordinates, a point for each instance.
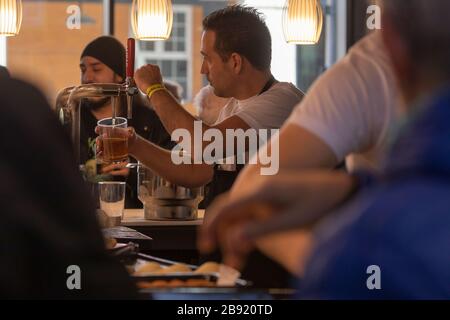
(160, 54)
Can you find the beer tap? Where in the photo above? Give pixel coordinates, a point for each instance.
(130, 86)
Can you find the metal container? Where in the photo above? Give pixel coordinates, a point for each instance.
(164, 200)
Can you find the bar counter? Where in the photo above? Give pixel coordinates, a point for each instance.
(135, 218)
(175, 240)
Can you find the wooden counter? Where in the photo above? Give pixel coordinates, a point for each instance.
(135, 218)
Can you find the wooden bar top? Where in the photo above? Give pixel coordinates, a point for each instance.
(135, 218)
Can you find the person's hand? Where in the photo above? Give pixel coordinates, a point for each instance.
(225, 226)
(227, 220)
(128, 133)
(116, 169)
(273, 205)
(147, 76)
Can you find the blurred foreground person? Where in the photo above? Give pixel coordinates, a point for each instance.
(48, 223)
(391, 242)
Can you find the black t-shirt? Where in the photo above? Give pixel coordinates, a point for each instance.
(146, 123)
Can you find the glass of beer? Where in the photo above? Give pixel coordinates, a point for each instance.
(114, 139)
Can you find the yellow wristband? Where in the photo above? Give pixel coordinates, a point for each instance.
(155, 90)
(153, 87)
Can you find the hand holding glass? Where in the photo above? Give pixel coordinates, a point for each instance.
(114, 140)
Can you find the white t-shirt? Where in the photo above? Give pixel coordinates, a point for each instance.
(268, 110)
(352, 106)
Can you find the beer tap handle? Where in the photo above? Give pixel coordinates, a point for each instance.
(130, 74)
(130, 58)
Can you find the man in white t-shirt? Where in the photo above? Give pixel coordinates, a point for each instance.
(236, 49)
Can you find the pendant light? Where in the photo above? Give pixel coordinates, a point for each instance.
(10, 17)
(152, 19)
(302, 21)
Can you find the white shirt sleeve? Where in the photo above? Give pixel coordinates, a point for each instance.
(349, 106)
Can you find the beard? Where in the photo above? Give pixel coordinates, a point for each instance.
(94, 104)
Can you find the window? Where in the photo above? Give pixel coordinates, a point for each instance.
(173, 56)
(314, 60)
(298, 64)
(46, 52)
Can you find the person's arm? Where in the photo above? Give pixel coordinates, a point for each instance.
(346, 110)
(299, 149)
(294, 259)
(189, 175)
(160, 161)
(172, 114)
(274, 205)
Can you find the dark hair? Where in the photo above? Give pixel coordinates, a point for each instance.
(242, 30)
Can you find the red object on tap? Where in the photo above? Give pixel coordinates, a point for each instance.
(129, 81)
(130, 57)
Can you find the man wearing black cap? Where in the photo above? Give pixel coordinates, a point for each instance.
(103, 61)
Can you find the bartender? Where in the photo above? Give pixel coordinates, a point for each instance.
(103, 61)
(236, 50)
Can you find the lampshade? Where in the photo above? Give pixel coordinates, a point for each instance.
(152, 19)
(10, 17)
(302, 21)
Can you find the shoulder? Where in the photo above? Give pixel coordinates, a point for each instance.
(368, 57)
(364, 77)
(282, 95)
(284, 89)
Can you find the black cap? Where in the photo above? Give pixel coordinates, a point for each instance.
(109, 51)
